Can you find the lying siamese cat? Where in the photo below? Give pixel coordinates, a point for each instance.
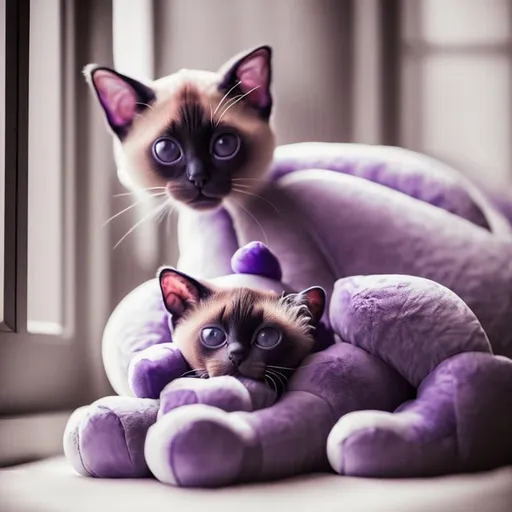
(261, 335)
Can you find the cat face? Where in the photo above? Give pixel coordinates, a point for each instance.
(195, 134)
(240, 331)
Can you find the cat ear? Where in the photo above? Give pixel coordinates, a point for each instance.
(121, 97)
(314, 298)
(179, 291)
(250, 74)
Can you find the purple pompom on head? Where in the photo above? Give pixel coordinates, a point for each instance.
(257, 259)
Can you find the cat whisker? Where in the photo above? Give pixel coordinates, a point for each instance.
(266, 380)
(236, 189)
(238, 96)
(249, 179)
(135, 193)
(278, 374)
(144, 105)
(142, 200)
(267, 376)
(283, 367)
(243, 185)
(152, 213)
(168, 220)
(161, 215)
(224, 97)
(194, 370)
(255, 220)
(235, 102)
(165, 214)
(234, 98)
(216, 365)
(280, 378)
(292, 369)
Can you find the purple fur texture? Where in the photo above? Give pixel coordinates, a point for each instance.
(417, 265)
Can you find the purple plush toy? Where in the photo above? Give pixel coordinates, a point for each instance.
(418, 269)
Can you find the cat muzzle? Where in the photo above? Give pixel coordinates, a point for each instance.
(197, 174)
(236, 353)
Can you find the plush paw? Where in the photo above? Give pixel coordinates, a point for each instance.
(460, 421)
(199, 446)
(382, 444)
(154, 367)
(106, 439)
(226, 393)
(71, 441)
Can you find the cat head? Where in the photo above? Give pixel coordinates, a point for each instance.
(239, 331)
(195, 134)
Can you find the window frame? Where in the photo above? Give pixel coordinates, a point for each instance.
(16, 160)
(42, 372)
(414, 51)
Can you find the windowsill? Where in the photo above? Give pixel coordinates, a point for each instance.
(31, 437)
(53, 485)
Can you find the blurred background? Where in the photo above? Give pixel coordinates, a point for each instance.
(434, 76)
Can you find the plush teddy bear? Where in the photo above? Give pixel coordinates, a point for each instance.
(418, 269)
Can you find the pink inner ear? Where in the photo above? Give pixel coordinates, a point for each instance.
(177, 292)
(316, 302)
(117, 97)
(254, 72)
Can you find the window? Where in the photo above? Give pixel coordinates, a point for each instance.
(61, 276)
(2, 164)
(47, 249)
(46, 352)
(9, 121)
(456, 85)
(35, 345)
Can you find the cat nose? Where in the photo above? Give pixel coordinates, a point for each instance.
(196, 173)
(236, 353)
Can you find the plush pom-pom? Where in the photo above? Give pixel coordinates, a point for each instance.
(257, 259)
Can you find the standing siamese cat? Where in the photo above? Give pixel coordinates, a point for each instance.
(200, 136)
(194, 134)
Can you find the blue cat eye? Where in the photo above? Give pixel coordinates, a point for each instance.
(267, 338)
(225, 145)
(166, 151)
(213, 337)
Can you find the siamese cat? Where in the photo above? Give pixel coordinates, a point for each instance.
(199, 136)
(196, 135)
(240, 331)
